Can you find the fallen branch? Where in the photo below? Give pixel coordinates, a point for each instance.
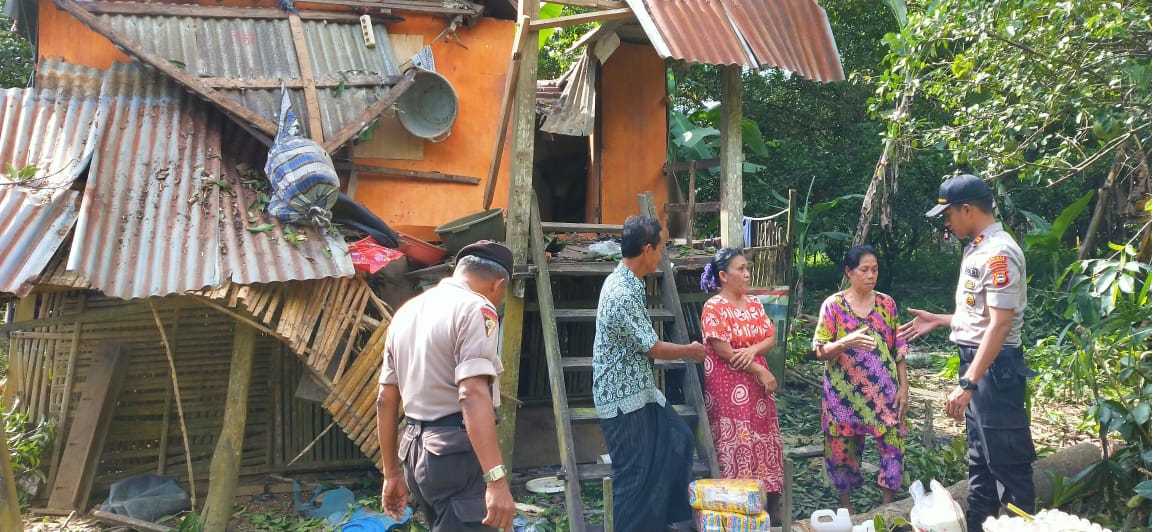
(129, 521)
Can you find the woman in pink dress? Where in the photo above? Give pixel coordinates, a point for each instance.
(739, 390)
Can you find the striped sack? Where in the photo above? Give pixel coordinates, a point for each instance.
(304, 182)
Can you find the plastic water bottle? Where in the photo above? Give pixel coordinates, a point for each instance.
(828, 521)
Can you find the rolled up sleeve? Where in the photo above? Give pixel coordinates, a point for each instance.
(388, 371)
(477, 344)
(1002, 280)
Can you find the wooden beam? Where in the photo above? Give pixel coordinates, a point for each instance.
(506, 108)
(304, 61)
(320, 83)
(708, 206)
(135, 49)
(583, 18)
(9, 497)
(226, 460)
(731, 158)
(373, 112)
(519, 215)
(592, 4)
(685, 165)
(123, 520)
(456, 7)
(400, 173)
(86, 435)
(173, 10)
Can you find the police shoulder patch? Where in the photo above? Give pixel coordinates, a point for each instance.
(491, 320)
(998, 267)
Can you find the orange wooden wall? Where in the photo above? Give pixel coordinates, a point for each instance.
(634, 125)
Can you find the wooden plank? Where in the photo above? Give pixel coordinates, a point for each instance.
(592, 4)
(566, 227)
(172, 10)
(707, 206)
(618, 13)
(560, 410)
(226, 458)
(65, 403)
(588, 414)
(577, 269)
(585, 363)
(683, 166)
(458, 7)
(731, 158)
(124, 520)
(415, 175)
(589, 314)
(512, 342)
(138, 51)
(304, 61)
(9, 497)
(506, 101)
(354, 127)
(328, 82)
(90, 428)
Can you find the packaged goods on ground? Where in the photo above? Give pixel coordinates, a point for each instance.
(742, 496)
(712, 521)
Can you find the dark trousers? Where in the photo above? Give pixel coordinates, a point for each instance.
(651, 452)
(444, 476)
(1000, 447)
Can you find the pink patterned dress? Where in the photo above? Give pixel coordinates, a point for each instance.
(741, 414)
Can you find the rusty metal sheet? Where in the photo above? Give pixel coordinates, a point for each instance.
(791, 34)
(245, 52)
(30, 232)
(52, 128)
(165, 209)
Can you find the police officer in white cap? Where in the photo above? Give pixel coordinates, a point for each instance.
(991, 295)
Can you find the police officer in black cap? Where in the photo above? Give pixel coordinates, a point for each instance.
(991, 295)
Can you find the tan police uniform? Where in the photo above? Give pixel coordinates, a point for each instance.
(435, 340)
(993, 274)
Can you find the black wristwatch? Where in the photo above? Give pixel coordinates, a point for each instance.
(967, 384)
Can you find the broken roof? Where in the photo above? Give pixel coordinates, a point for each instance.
(791, 34)
(165, 208)
(238, 57)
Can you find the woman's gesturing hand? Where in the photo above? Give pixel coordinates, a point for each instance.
(861, 339)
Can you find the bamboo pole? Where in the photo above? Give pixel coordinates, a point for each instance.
(176, 392)
(226, 459)
(9, 500)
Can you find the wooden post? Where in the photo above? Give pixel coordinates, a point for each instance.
(519, 212)
(226, 460)
(689, 231)
(9, 499)
(731, 158)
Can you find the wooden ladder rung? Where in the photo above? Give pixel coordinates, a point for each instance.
(565, 227)
(589, 314)
(597, 472)
(585, 363)
(586, 269)
(588, 414)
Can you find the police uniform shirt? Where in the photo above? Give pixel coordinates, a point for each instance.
(992, 274)
(437, 339)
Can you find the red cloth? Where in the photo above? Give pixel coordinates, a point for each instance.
(741, 414)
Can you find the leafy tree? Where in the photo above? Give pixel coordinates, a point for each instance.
(15, 55)
(1051, 92)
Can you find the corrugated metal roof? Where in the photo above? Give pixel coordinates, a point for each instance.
(30, 232)
(164, 210)
(54, 128)
(248, 50)
(791, 34)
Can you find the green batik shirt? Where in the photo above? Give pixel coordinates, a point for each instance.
(621, 370)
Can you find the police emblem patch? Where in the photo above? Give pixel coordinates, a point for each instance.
(970, 300)
(491, 320)
(998, 266)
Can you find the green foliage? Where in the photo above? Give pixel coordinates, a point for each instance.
(1046, 241)
(278, 522)
(1042, 89)
(28, 442)
(555, 56)
(15, 55)
(947, 463)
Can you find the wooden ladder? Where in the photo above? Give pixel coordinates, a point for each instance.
(670, 313)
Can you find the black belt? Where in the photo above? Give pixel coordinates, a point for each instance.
(968, 352)
(451, 420)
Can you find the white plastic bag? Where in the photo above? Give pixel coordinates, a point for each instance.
(935, 511)
(607, 248)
